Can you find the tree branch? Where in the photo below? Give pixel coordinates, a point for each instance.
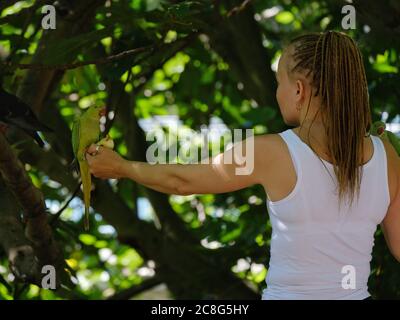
(31, 200)
(21, 256)
(238, 9)
(136, 289)
(69, 66)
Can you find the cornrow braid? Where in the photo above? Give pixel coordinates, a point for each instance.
(335, 66)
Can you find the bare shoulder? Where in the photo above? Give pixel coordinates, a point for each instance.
(269, 150)
(268, 146)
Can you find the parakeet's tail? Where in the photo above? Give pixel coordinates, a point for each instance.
(87, 186)
(86, 219)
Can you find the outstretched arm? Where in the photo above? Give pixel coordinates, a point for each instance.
(219, 175)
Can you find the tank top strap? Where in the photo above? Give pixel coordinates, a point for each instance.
(309, 165)
(379, 151)
(300, 152)
(293, 147)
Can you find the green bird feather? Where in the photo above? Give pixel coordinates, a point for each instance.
(86, 131)
(378, 128)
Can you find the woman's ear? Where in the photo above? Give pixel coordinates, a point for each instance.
(300, 91)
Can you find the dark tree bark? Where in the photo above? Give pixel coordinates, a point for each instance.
(19, 250)
(37, 229)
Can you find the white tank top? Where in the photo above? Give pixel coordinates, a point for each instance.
(319, 251)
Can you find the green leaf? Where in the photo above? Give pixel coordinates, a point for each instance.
(284, 17)
(67, 49)
(87, 239)
(153, 4)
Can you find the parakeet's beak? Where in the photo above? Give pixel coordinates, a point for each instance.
(102, 112)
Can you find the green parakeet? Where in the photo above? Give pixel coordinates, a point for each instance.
(85, 131)
(378, 128)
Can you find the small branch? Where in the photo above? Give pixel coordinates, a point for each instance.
(136, 289)
(75, 65)
(57, 215)
(117, 104)
(238, 9)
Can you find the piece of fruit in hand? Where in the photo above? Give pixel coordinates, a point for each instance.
(106, 142)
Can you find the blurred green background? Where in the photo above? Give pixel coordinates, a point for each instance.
(203, 63)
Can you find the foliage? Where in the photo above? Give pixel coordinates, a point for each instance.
(189, 73)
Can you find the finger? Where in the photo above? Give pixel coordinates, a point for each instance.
(91, 149)
(89, 157)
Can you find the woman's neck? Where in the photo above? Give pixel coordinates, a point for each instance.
(315, 128)
(313, 133)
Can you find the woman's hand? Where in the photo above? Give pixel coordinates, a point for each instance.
(105, 163)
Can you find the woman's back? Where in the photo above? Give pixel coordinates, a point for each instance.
(317, 246)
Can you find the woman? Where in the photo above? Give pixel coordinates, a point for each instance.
(329, 184)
